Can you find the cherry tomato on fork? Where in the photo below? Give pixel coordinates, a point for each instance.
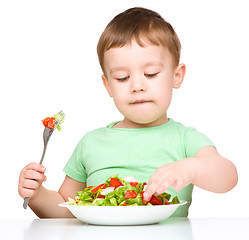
(49, 122)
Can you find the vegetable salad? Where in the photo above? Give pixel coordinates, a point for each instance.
(118, 191)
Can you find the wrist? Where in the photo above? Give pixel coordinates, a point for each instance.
(36, 196)
(191, 168)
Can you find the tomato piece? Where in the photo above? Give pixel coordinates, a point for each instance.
(130, 194)
(49, 122)
(114, 182)
(45, 121)
(124, 204)
(134, 184)
(101, 186)
(155, 200)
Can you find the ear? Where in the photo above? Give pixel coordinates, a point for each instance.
(106, 84)
(180, 72)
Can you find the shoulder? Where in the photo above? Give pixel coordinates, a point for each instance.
(186, 131)
(178, 127)
(193, 140)
(93, 134)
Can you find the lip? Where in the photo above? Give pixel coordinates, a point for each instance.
(141, 101)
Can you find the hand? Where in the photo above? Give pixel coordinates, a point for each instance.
(178, 174)
(30, 179)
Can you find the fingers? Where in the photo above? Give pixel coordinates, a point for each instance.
(158, 187)
(28, 188)
(36, 167)
(174, 174)
(33, 171)
(34, 175)
(30, 184)
(30, 179)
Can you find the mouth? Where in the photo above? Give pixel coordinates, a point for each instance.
(140, 101)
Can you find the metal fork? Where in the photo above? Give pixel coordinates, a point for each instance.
(46, 136)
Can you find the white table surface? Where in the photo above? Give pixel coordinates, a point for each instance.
(170, 229)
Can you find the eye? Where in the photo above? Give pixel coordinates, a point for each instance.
(152, 75)
(122, 79)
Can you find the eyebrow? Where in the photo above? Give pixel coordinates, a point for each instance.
(153, 64)
(115, 69)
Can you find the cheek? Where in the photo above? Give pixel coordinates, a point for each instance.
(119, 96)
(165, 98)
(119, 91)
(164, 93)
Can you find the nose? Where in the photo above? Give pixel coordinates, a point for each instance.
(137, 85)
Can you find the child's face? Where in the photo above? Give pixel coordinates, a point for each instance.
(140, 80)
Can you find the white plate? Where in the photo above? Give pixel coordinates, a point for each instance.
(122, 215)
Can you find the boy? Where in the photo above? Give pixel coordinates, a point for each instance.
(139, 54)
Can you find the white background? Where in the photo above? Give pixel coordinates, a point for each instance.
(48, 63)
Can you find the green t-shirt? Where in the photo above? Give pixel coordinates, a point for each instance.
(138, 152)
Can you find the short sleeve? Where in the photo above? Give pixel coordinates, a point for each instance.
(74, 167)
(194, 141)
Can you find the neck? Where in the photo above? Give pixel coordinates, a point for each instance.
(127, 123)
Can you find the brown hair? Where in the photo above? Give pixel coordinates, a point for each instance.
(139, 24)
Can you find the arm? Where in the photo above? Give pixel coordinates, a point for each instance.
(207, 170)
(213, 172)
(45, 202)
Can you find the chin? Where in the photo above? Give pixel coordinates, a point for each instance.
(149, 121)
(144, 121)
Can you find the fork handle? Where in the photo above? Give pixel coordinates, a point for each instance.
(44, 151)
(46, 136)
(26, 202)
